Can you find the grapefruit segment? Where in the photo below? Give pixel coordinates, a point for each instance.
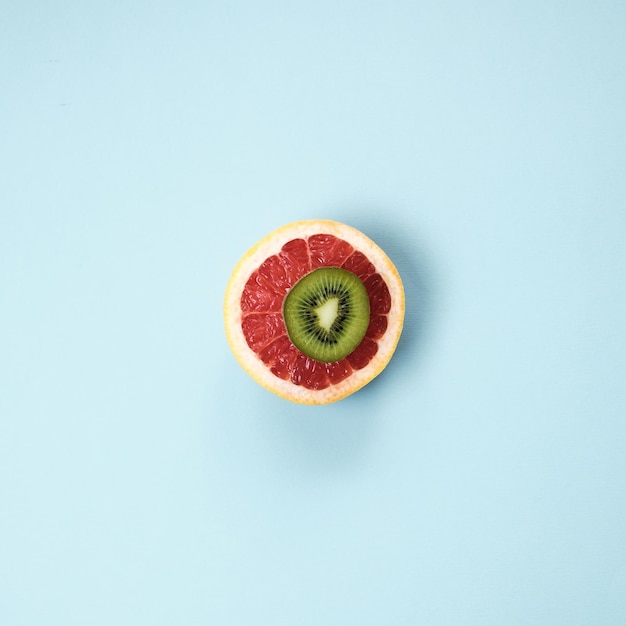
(363, 354)
(309, 373)
(254, 313)
(260, 296)
(260, 329)
(295, 257)
(279, 356)
(359, 264)
(338, 371)
(377, 327)
(328, 251)
(275, 274)
(380, 299)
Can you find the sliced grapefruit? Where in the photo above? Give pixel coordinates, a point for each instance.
(362, 297)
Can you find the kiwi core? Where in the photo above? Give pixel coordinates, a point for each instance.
(327, 313)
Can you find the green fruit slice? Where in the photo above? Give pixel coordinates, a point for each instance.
(327, 313)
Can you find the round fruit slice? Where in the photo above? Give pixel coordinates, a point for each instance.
(314, 311)
(327, 313)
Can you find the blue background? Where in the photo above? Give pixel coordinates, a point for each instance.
(145, 479)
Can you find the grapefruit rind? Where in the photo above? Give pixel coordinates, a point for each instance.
(271, 244)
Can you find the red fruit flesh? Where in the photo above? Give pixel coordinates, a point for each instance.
(261, 306)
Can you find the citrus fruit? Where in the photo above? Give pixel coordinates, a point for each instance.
(314, 311)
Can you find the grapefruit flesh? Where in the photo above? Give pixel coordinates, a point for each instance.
(253, 310)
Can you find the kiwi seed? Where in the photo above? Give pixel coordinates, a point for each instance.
(327, 313)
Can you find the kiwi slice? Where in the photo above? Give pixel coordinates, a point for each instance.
(327, 313)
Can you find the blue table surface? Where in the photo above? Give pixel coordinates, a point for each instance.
(145, 479)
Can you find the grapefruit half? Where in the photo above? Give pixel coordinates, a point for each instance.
(253, 310)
